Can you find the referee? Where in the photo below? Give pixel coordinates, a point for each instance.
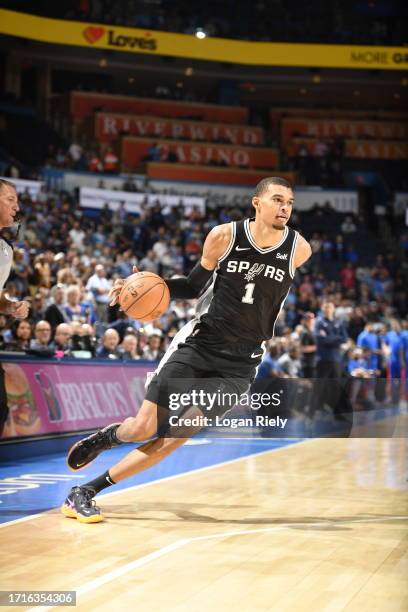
(9, 210)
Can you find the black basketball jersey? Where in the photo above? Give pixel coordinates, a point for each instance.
(249, 288)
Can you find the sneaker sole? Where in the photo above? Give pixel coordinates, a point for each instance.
(71, 513)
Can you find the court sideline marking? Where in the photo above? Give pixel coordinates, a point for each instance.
(161, 552)
(172, 477)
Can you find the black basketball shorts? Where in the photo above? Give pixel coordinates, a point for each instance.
(199, 374)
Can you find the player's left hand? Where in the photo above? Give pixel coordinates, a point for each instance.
(18, 310)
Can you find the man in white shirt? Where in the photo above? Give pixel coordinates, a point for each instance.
(100, 286)
(9, 210)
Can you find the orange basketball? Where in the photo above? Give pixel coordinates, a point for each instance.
(144, 296)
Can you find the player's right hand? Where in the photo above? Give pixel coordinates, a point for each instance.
(116, 288)
(18, 310)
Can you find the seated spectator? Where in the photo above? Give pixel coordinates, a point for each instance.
(149, 263)
(128, 348)
(269, 365)
(359, 363)
(62, 339)
(358, 366)
(20, 336)
(109, 348)
(83, 341)
(74, 309)
(37, 308)
(348, 276)
(75, 152)
(289, 363)
(42, 337)
(5, 333)
(110, 162)
(94, 162)
(122, 324)
(152, 350)
(55, 313)
(20, 271)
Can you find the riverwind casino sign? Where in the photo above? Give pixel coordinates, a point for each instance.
(132, 40)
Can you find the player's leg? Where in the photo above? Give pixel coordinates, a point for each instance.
(133, 429)
(80, 505)
(173, 374)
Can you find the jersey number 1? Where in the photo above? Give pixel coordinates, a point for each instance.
(249, 293)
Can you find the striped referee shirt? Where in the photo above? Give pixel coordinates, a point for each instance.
(6, 259)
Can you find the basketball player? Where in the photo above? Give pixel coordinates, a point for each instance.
(9, 212)
(252, 264)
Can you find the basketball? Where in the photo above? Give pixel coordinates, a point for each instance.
(144, 296)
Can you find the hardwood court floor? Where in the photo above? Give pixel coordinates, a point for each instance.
(320, 525)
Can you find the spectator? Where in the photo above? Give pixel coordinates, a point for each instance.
(100, 286)
(128, 348)
(395, 346)
(359, 368)
(356, 323)
(83, 341)
(269, 366)
(42, 337)
(74, 309)
(308, 346)
(368, 339)
(152, 350)
(75, 152)
(20, 271)
(62, 339)
(20, 336)
(289, 363)
(77, 236)
(55, 313)
(109, 348)
(348, 276)
(348, 227)
(330, 335)
(94, 162)
(37, 310)
(110, 162)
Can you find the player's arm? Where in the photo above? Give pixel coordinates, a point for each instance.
(186, 288)
(302, 252)
(214, 247)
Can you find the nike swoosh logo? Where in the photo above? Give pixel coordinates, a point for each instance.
(257, 355)
(242, 248)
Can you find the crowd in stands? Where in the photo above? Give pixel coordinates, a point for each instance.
(66, 262)
(365, 22)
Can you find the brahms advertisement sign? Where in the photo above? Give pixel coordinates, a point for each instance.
(52, 397)
(108, 126)
(136, 150)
